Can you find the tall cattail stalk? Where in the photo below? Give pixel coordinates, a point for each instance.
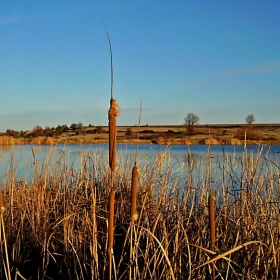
(133, 213)
(112, 114)
(134, 180)
(133, 209)
(111, 231)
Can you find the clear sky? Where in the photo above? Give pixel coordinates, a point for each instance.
(218, 59)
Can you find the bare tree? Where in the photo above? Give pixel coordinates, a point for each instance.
(191, 119)
(250, 119)
(37, 130)
(80, 127)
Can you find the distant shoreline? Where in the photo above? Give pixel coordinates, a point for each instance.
(227, 134)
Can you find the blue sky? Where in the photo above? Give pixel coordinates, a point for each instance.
(217, 59)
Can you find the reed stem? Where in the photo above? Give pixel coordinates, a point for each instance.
(111, 230)
(212, 228)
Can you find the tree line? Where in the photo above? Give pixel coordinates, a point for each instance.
(191, 119)
(48, 131)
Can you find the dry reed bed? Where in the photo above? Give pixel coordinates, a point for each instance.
(40, 140)
(57, 221)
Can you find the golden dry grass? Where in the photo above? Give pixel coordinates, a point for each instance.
(173, 134)
(56, 221)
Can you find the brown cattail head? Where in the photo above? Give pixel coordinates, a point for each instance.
(112, 114)
(111, 219)
(212, 219)
(134, 185)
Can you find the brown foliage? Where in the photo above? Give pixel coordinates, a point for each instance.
(251, 133)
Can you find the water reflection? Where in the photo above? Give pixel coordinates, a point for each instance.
(227, 167)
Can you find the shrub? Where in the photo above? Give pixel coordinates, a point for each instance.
(251, 133)
(99, 129)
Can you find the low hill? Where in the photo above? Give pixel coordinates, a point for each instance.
(232, 134)
(180, 134)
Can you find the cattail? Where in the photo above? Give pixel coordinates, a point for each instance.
(112, 114)
(111, 219)
(212, 219)
(135, 172)
(134, 185)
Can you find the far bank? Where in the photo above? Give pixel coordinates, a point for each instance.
(227, 134)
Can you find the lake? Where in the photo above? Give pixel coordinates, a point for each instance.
(214, 162)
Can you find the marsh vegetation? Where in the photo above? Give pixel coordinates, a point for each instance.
(165, 134)
(56, 222)
(110, 219)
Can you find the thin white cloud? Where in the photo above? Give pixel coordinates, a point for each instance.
(267, 67)
(198, 84)
(83, 96)
(9, 19)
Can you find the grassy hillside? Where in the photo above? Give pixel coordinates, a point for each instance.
(163, 134)
(178, 134)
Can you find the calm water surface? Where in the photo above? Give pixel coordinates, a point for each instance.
(181, 159)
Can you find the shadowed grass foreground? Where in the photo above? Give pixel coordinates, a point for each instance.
(56, 223)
